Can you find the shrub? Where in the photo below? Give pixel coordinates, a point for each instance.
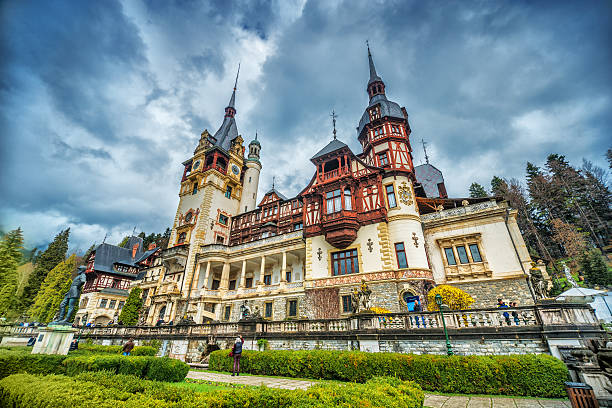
(528, 375)
(103, 390)
(453, 297)
(167, 369)
(96, 348)
(163, 369)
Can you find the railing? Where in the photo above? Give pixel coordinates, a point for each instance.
(550, 316)
(335, 173)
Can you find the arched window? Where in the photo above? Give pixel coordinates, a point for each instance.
(182, 237)
(347, 199)
(188, 217)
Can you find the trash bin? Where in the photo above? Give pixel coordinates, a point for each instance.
(581, 395)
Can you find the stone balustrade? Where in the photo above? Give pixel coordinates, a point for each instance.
(549, 316)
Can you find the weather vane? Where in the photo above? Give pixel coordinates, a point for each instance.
(273, 179)
(334, 116)
(425, 150)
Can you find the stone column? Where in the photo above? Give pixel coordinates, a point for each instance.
(243, 275)
(196, 277)
(225, 276)
(283, 272)
(262, 270)
(206, 275)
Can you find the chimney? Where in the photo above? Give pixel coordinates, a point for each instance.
(134, 250)
(151, 246)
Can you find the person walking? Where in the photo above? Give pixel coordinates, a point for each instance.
(502, 305)
(128, 347)
(237, 353)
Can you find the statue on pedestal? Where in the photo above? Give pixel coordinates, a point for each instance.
(71, 298)
(245, 311)
(538, 283)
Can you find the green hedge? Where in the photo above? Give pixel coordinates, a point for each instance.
(154, 368)
(102, 390)
(528, 375)
(98, 349)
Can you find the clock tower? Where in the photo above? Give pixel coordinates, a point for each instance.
(212, 190)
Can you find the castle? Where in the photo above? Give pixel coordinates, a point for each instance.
(369, 215)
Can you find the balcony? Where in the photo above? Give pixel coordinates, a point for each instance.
(340, 228)
(334, 174)
(175, 258)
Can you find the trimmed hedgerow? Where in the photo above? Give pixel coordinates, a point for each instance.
(99, 349)
(162, 369)
(102, 390)
(528, 375)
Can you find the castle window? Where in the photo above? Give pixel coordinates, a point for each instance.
(333, 204)
(383, 159)
(345, 262)
(248, 282)
(347, 200)
(346, 304)
(84, 302)
(182, 237)
(195, 188)
(223, 219)
(227, 313)
(215, 284)
(400, 253)
(188, 217)
(220, 239)
(267, 280)
(292, 308)
(374, 113)
(268, 310)
(103, 303)
(450, 256)
(228, 192)
(112, 304)
(120, 306)
(298, 226)
(232, 284)
(463, 258)
(249, 179)
(390, 196)
(475, 253)
(275, 210)
(288, 276)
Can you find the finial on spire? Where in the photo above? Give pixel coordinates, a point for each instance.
(134, 230)
(425, 150)
(273, 179)
(255, 135)
(237, 73)
(232, 101)
(334, 116)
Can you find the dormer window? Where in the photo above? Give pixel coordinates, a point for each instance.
(379, 132)
(396, 129)
(383, 159)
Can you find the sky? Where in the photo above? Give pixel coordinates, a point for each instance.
(101, 101)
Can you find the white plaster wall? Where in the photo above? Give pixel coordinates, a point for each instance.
(250, 188)
(496, 246)
(370, 260)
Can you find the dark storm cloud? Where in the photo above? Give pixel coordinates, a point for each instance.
(100, 102)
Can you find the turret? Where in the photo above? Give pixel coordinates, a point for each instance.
(250, 182)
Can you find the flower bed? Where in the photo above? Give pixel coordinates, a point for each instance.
(527, 375)
(102, 390)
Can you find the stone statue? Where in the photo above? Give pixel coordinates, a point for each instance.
(355, 301)
(538, 282)
(245, 310)
(72, 297)
(365, 295)
(568, 276)
(256, 313)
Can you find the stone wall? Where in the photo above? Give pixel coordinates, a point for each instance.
(486, 293)
(465, 347)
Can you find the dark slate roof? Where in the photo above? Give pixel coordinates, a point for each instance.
(145, 255)
(275, 191)
(107, 255)
(387, 108)
(429, 177)
(331, 147)
(226, 133)
(373, 75)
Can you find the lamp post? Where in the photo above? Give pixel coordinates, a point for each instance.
(449, 350)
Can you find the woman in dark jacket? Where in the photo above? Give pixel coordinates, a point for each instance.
(237, 353)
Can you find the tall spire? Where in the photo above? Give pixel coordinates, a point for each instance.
(230, 111)
(376, 85)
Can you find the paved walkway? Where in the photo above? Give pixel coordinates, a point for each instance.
(432, 401)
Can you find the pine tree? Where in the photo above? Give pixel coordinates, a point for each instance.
(131, 310)
(10, 256)
(52, 291)
(498, 186)
(595, 269)
(55, 253)
(477, 191)
(124, 242)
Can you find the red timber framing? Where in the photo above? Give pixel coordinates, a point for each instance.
(103, 280)
(274, 216)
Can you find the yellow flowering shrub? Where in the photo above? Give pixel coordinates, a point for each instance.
(379, 310)
(453, 297)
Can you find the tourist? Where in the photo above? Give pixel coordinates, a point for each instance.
(417, 306)
(237, 353)
(127, 347)
(515, 315)
(502, 305)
